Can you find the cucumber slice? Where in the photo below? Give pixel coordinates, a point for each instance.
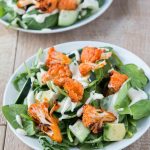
(67, 17)
(66, 103)
(79, 131)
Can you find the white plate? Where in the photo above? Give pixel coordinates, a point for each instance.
(126, 56)
(74, 26)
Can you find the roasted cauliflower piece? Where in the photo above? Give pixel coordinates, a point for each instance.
(67, 4)
(85, 68)
(74, 89)
(58, 73)
(95, 118)
(45, 119)
(116, 80)
(91, 54)
(47, 6)
(56, 58)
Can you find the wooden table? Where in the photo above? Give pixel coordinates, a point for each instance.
(126, 23)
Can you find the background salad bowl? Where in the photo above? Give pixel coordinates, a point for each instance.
(127, 57)
(44, 30)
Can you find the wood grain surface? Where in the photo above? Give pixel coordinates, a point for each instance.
(126, 23)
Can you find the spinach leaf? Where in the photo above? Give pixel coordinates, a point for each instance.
(101, 2)
(138, 77)
(122, 99)
(50, 21)
(47, 143)
(24, 92)
(10, 112)
(138, 110)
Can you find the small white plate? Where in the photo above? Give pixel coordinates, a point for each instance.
(126, 56)
(62, 29)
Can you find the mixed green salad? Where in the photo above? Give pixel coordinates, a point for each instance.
(86, 99)
(47, 14)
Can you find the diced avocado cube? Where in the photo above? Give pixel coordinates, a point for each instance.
(114, 131)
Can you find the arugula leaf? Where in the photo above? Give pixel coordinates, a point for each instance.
(101, 2)
(48, 144)
(138, 77)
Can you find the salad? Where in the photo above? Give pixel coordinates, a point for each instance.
(47, 14)
(86, 99)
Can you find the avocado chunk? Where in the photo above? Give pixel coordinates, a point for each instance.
(67, 17)
(114, 131)
(79, 131)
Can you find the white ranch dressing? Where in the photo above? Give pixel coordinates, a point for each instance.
(93, 96)
(31, 8)
(15, 8)
(93, 4)
(40, 18)
(30, 98)
(74, 67)
(19, 121)
(136, 95)
(77, 55)
(21, 131)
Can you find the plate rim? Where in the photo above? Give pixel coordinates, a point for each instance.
(132, 140)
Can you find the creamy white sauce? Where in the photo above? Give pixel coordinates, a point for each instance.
(66, 105)
(19, 121)
(93, 4)
(77, 55)
(93, 96)
(63, 117)
(74, 67)
(11, 4)
(136, 95)
(21, 131)
(40, 18)
(30, 98)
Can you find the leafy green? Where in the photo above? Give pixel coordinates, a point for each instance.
(10, 112)
(130, 125)
(122, 99)
(48, 144)
(138, 77)
(22, 77)
(138, 110)
(50, 21)
(101, 2)
(2, 9)
(24, 92)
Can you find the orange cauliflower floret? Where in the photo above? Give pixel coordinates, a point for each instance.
(44, 5)
(95, 118)
(56, 57)
(91, 54)
(57, 73)
(85, 68)
(116, 80)
(74, 89)
(67, 4)
(45, 119)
